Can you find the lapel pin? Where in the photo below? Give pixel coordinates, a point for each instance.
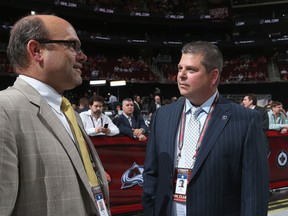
(224, 117)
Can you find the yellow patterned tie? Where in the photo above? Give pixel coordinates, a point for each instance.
(69, 112)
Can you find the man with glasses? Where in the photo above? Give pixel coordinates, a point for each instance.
(43, 168)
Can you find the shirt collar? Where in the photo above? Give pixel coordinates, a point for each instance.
(127, 116)
(52, 97)
(205, 106)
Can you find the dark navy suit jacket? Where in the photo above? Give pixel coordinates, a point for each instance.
(265, 117)
(124, 126)
(230, 176)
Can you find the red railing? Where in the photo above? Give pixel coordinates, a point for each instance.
(123, 160)
(278, 159)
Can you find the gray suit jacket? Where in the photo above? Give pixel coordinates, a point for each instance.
(41, 171)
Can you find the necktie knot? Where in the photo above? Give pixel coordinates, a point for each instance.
(196, 111)
(65, 103)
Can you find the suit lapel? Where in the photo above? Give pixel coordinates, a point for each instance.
(68, 144)
(218, 121)
(127, 123)
(174, 121)
(134, 123)
(56, 127)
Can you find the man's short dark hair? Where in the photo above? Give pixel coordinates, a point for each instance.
(252, 97)
(97, 98)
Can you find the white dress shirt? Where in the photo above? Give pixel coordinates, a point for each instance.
(90, 123)
(52, 97)
(179, 208)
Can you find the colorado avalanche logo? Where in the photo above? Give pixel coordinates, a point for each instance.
(133, 176)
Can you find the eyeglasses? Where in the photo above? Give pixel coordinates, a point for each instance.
(75, 45)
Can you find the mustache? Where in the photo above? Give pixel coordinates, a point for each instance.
(98, 112)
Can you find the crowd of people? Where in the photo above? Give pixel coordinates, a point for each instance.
(248, 69)
(274, 115)
(92, 112)
(125, 118)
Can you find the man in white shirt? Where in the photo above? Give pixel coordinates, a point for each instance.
(95, 122)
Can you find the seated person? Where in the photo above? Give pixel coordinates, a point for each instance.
(94, 120)
(132, 126)
(277, 120)
(83, 105)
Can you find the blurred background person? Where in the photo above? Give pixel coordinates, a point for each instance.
(154, 105)
(130, 125)
(250, 101)
(95, 122)
(174, 99)
(277, 120)
(137, 105)
(112, 102)
(83, 105)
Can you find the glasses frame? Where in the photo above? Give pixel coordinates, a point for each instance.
(68, 43)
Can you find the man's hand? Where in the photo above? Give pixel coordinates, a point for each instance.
(142, 137)
(137, 132)
(103, 130)
(284, 130)
(106, 130)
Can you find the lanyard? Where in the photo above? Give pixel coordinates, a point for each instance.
(182, 129)
(94, 123)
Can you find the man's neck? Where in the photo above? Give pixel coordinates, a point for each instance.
(128, 114)
(96, 116)
(276, 114)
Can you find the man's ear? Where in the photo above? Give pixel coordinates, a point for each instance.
(35, 50)
(215, 77)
